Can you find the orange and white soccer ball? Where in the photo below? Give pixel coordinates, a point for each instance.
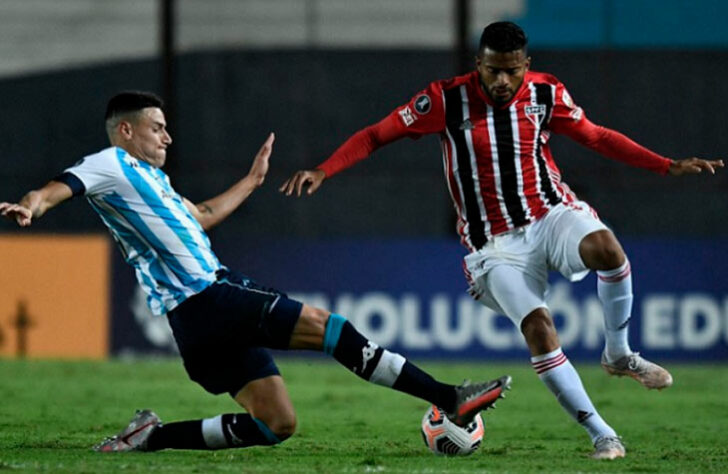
(445, 438)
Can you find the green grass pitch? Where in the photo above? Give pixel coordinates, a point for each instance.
(51, 412)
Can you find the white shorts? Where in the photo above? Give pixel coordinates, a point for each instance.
(510, 274)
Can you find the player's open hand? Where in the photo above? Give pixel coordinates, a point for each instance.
(21, 214)
(694, 166)
(261, 161)
(295, 183)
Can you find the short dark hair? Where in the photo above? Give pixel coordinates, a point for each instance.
(131, 101)
(503, 37)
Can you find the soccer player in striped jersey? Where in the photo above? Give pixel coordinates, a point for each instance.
(222, 320)
(516, 217)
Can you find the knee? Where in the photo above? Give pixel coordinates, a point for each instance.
(602, 251)
(266, 401)
(538, 325)
(282, 425)
(539, 331)
(610, 257)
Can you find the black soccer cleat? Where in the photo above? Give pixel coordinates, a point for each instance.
(471, 399)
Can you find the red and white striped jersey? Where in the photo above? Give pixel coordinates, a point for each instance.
(497, 161)
(496, 158)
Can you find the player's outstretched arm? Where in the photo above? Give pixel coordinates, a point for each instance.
(36, 203)
(693, 166)
(356, 148)
(296, 183)
(212, 211)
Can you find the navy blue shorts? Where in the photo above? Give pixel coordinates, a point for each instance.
(222, 332)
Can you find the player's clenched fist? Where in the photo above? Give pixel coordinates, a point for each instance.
(313, 178)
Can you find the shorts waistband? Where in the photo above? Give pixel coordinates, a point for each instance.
(515, 231)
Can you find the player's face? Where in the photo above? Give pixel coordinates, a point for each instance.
(502, 73)
(149, 139)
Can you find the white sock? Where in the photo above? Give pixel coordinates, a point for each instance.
(213, 433)
(614, 288)
(555, 370)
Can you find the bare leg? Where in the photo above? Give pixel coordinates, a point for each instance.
(267, 400)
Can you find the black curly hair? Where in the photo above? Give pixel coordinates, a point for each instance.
(503, 37)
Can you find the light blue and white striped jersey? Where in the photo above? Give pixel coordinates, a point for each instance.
(155, 231)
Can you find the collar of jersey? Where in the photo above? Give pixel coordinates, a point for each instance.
(123, 153)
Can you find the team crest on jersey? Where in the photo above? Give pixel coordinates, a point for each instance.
(535, 113)
(423, 104)
(407, 116)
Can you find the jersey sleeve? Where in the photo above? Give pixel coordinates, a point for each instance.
(96, 174)
(565, 112)
(569, 119)
(70, 180)
(422, 115)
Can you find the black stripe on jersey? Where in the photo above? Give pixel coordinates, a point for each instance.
(454, 121)
(507, 165)
(543, 96)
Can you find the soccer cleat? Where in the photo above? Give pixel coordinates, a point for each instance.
(471, 399)
(642, 370)
(134, 437)
(608, 447)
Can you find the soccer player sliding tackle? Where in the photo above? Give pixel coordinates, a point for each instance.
(222, 320)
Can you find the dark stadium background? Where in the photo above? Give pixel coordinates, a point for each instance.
(654, 70)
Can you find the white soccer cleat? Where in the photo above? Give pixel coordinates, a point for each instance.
(642, 370)
(608, 447)
(134, 437)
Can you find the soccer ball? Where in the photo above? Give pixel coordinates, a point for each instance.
(444, 437)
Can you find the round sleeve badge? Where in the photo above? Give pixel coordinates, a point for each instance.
(423, 104)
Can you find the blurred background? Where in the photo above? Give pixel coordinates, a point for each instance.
(377, 242)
